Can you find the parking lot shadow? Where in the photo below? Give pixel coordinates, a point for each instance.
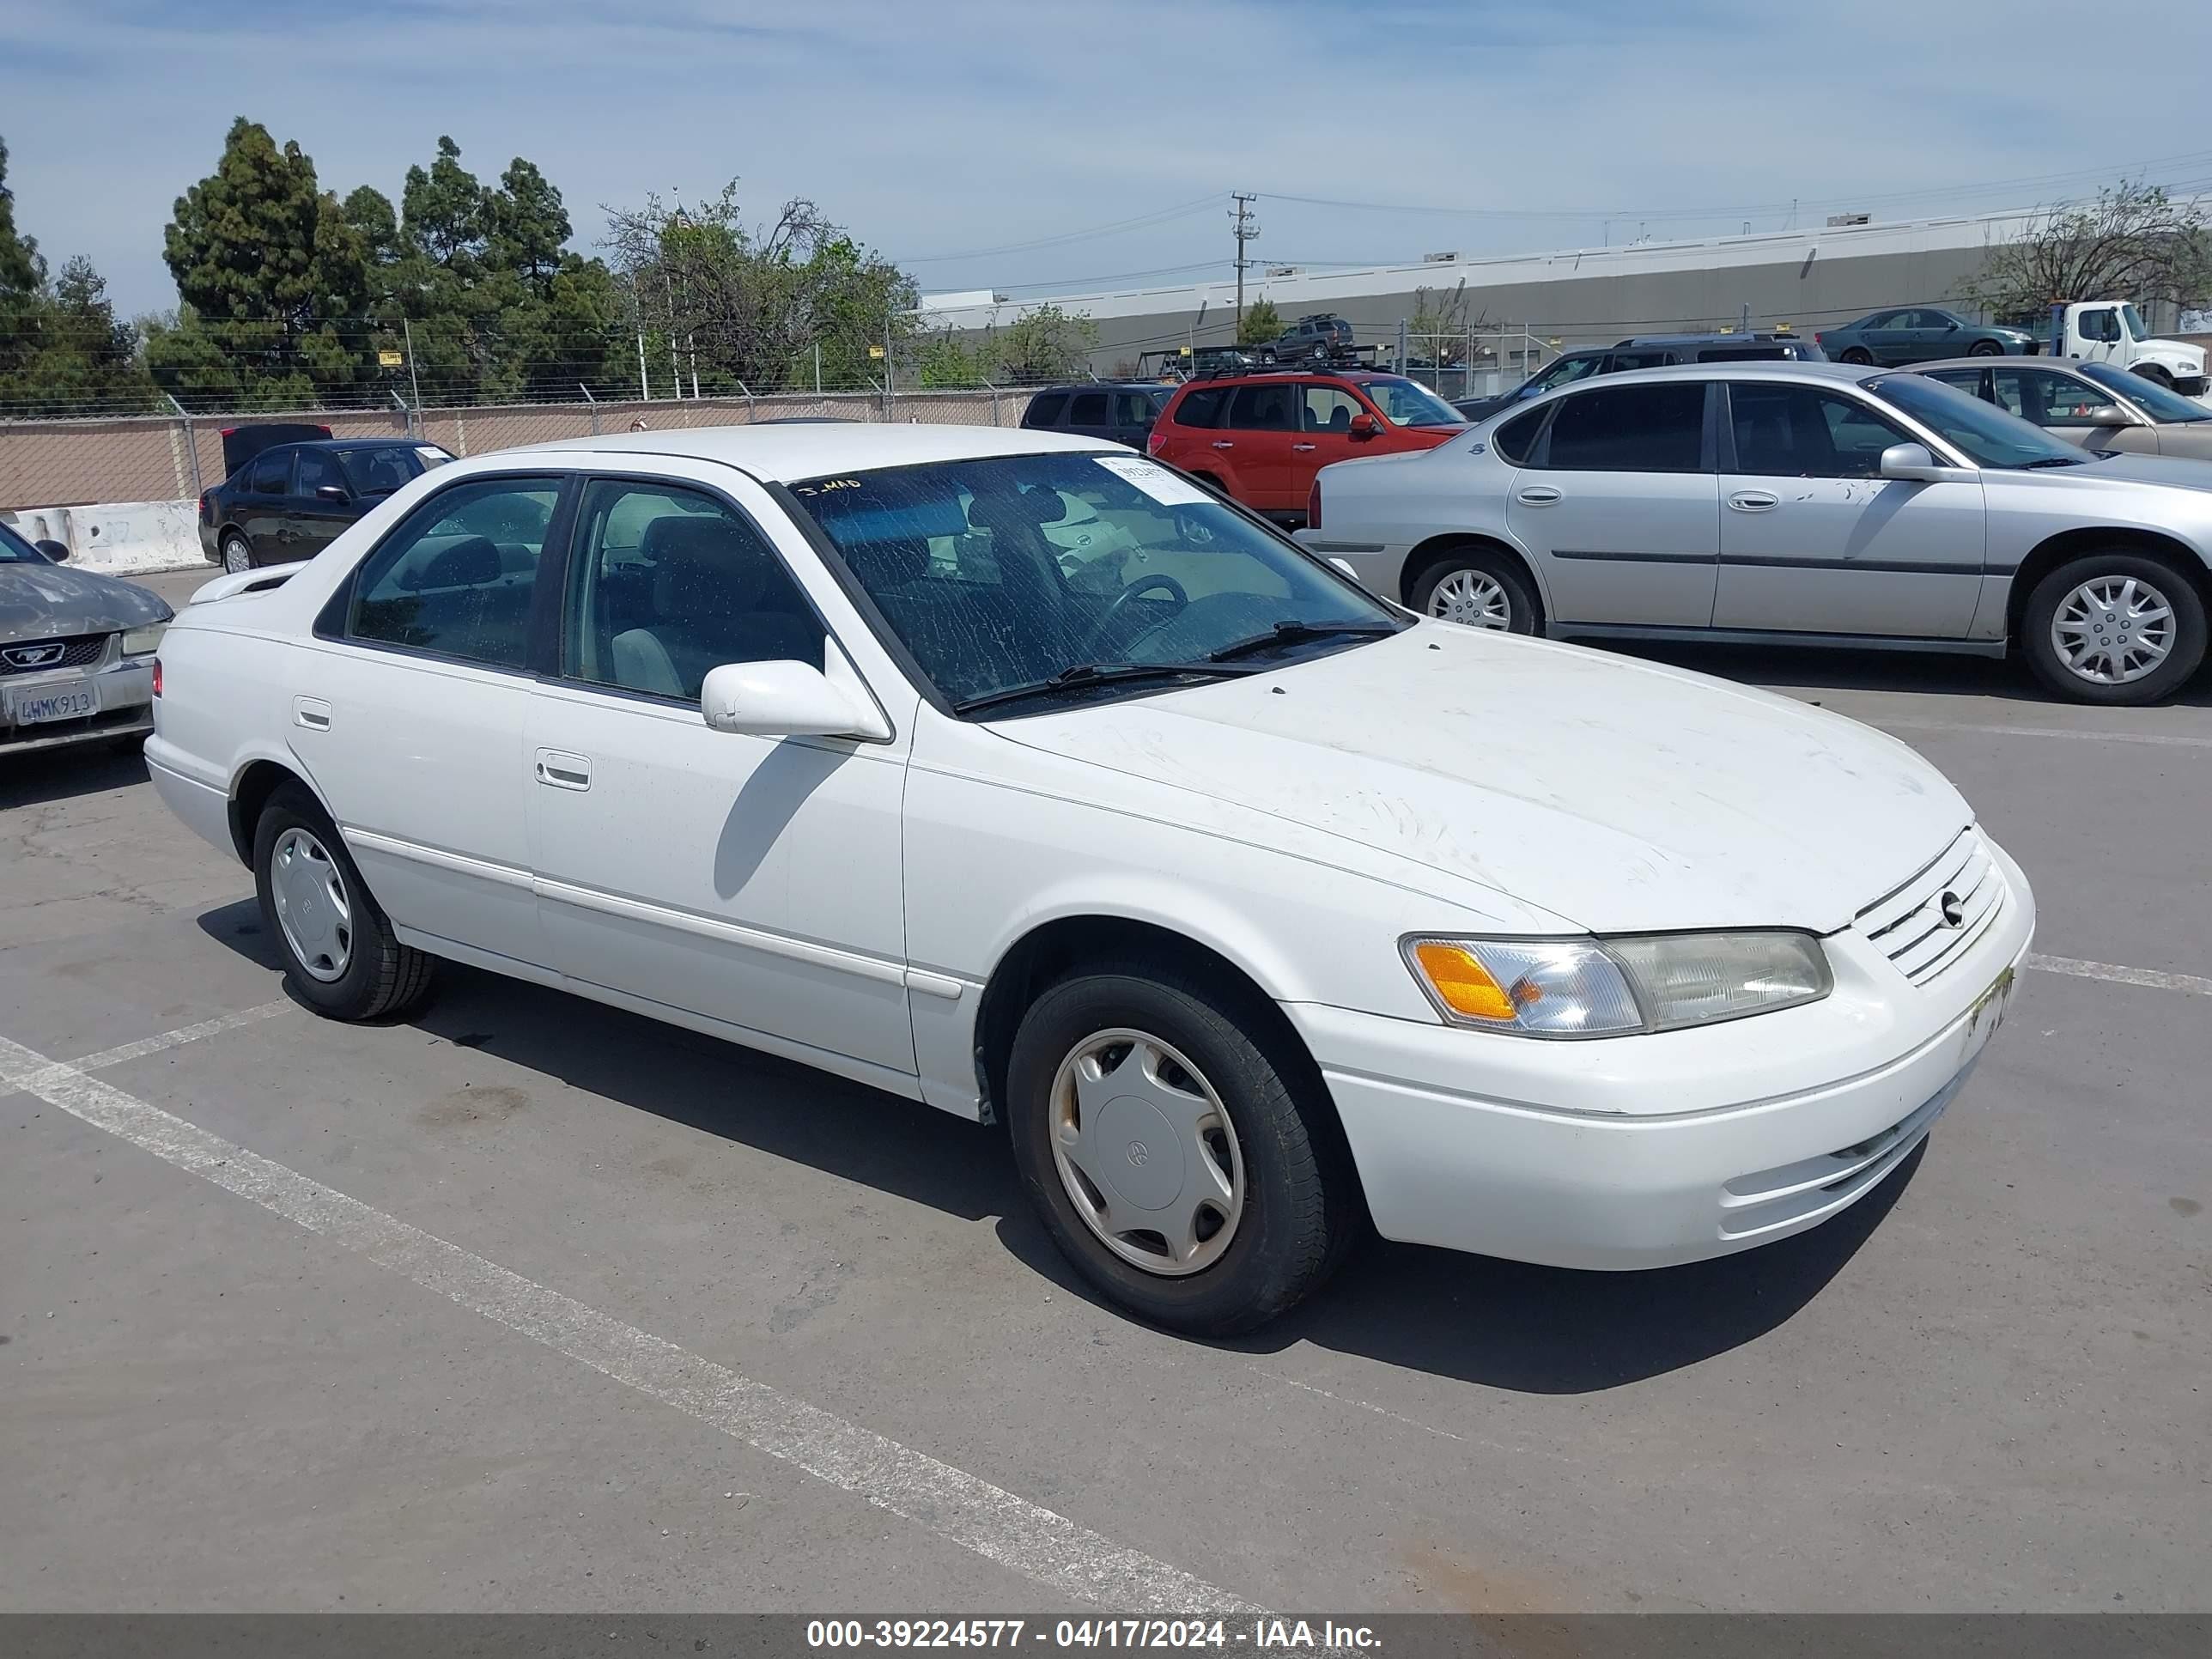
(1501, 1324)
(1929, 673)
(52, 774)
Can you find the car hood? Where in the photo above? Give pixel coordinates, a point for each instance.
(38, 601)
(2129, 466)
(1619, 796)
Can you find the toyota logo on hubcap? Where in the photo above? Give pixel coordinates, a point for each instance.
(1138, 1154)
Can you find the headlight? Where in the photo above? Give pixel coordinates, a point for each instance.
(1584, 988)
(145, 641)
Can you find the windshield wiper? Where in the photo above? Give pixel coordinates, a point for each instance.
(1294, 633)
(2049, 460)
(1100, 673)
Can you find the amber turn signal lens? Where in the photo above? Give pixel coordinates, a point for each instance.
(1463, 983)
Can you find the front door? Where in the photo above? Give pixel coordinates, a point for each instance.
(752, 880)
(1815, 540)
(2099, 333)
(1326, 413)
(318, 519)
(1620, 508)
(1263, 423)
(2065, 405)
(410, 706)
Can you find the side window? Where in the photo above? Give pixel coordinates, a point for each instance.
(1968, 381)
(1087, 408)
(2103, 325)
(1045, 408)
(1566, 371)
(1632, 428)
(667, 583)
(1619, 362)
(316, 469)
(1886, 319)
(1330, 408)
(1202, 408)
(1793, 432)
(2046, 398)
(458, 577)
(1270, 406)
(1514, 439)
(1134, 409)
(271, 474)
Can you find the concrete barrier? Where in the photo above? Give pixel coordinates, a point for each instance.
(118, 538)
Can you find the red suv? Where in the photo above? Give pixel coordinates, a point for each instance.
(1260, 438)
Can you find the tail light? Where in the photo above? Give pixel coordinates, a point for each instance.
(1818, 339)
(207, 512)
(1313, 505)
(1152, 442)
(157, 677)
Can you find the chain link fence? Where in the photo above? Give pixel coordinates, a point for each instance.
(68, 461)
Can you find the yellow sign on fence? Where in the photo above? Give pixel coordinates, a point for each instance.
(875, 351)
(389, 360)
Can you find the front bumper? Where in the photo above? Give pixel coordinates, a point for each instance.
(125, 686)
(1649, 1151)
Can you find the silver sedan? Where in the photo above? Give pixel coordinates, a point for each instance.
(2093, 404)
(77, 650)
(1816, 503)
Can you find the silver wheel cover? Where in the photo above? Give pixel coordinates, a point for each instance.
(2113, 630)
(313, 906)
(1473, 598)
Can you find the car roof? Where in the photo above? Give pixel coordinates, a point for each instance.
(1292, 371)
(1756, 336)
(781, 454)
(1989, 360)
(1096, 385)
(1774, 368)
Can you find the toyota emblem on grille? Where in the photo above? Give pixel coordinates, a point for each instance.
(32, 656)
(1953, 909)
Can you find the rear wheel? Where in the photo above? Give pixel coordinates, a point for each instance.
(339, 952)
(237, 556)
(1478, 589)
(1185, 1163)
(2114, 628)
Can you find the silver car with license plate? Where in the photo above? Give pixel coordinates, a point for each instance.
(1813, 504)
(77, 650)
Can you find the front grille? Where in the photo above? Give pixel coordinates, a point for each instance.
(1930, 921)
(37, 656)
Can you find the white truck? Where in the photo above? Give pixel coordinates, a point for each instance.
(2111, 332)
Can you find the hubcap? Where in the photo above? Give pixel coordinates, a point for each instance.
(235, 559)
(2111, 630)
(1146, 1152)
(1473, 598)
(311, 907)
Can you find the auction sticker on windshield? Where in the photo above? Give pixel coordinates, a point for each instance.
(1156, 481)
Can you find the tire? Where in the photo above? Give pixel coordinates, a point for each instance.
(1858, 354)
(237, 556)
(1293, 1209)
(2059, 598)
(2157, 375)
(341, 958)
(1479, 588)
(1986, 348)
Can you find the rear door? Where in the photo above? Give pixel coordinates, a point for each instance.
(1886, 336)
(1089, 414)
(1263, 430)
(1814, 540)
(1621, 506)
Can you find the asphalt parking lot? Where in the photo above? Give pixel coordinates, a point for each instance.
(524, 1302)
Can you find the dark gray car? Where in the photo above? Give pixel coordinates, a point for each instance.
(77, 650)
(1920, 334)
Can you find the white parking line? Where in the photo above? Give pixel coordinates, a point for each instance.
(996, 1524)
(2158, 739)
(2191, 983)
(206, 1028)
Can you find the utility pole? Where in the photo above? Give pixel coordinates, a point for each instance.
(1245, 228)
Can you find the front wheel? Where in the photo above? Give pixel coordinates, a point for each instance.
(2114, 628)
(1187, 1165)
(237, 556)
(2155, 374)
(340, 954)
(1986, 348)
(1858, 354)
(1477, 590)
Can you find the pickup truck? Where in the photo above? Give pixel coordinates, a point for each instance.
(2111, 332)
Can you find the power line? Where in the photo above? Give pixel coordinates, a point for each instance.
(1158, 217)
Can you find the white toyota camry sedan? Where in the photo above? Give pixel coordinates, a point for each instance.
(1015, 774)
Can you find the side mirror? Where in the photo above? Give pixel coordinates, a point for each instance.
(2104, 414)
(332, 493)
(57, 551)
(1365, 425)
(784, 700)
(1913, 461)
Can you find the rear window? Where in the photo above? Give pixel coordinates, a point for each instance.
(1514, 440)
(1202, 408)
(1087, 408)
(1044, 409)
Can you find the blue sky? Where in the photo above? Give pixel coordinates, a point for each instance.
(954, 126)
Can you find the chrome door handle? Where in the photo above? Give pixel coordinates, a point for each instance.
(1754, 501)
(1223, 443)
(1538, 495)
(1301, 445)
(563, 771)
(311, 712)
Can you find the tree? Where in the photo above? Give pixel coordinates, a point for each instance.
(1262, 324)
(751, 306)
(2133, 243)
(1441, 332)
(944, 364)
(1045, 343)
(22, 287)
(62, 348)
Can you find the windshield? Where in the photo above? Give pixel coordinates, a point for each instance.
(1987, 435)
(1408, 403)
(2160, 402)
(14, 550)
(1006, 573)
(2131, 320)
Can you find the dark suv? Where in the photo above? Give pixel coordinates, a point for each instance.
(1320, 338)
(290, 502)
(1648, 351)
(1121, 411)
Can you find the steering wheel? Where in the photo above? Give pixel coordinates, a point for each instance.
(1144, 584)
